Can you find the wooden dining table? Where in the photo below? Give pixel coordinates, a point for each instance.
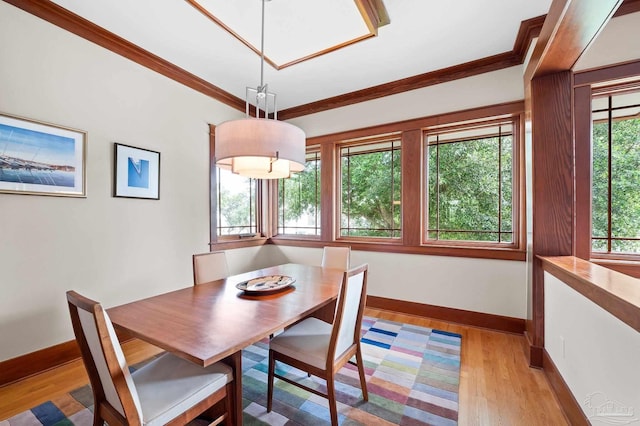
(214, 321)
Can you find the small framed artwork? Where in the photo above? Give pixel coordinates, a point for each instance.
(38, 158)
(137, 172)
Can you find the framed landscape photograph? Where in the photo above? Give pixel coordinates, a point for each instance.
(137, 172)
(41, 159)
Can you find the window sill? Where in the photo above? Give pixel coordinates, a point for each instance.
(238, 243)
(296, 237)
(627, 267)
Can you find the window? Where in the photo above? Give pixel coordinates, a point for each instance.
(371, 189)
(299, 199)
(236, 207)
(616, 172)
(442, 185)
(469, 183)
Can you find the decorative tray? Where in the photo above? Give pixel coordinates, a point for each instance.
(266, 284)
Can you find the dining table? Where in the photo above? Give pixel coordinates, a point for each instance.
(214, 321)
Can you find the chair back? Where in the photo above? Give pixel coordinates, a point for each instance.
(336, 257)
(103, 358)
(349, 311)
(209, 267)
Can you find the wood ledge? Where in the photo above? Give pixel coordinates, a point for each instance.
(617, 293)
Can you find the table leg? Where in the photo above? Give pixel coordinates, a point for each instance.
(235, 362)
(326, 313)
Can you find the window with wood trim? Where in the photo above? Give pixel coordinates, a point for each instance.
(469, 176)
(299, 199)
(615, 191)
(372, 183)
(371, 188)
(237, 208)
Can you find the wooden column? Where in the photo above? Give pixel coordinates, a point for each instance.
(553, 191)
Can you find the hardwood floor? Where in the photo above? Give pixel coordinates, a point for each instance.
(496, 385)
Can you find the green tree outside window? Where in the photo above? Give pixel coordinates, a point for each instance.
(299, 200)
(470, 184)
(616, 174)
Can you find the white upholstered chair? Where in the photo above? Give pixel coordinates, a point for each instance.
(209, 267)
(167, 390)
(320, 348)
(336, 257)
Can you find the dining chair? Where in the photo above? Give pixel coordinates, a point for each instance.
(322, 349)
(209, 267)
(336, 257)
(166, 390)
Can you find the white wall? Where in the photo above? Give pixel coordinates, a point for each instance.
(251, 258)
(116, 250)
(111, 249)
(482, 285)
(596, 353)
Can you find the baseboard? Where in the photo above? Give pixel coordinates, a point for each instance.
(567, 401)
(27, 365)
(533, 353)
(23, 366)
(476, 319)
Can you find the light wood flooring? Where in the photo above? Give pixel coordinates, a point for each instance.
(496, 385)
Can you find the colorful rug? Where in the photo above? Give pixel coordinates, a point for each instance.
(412, 377)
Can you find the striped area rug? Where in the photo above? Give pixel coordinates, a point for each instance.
(412, 377)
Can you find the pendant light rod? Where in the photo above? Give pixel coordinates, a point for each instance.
(262, 88)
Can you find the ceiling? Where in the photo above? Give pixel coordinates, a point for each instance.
(422, 36)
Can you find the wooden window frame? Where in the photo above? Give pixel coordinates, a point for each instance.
(276, 207)
(394, 138)
(411, 136)
(585, 83)
(514, 121)
(238, 240)
(608, 92)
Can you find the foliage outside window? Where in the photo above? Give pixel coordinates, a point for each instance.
(616, 173)
(469, 177)
(371, 189)
(299, 200)
(237, 209)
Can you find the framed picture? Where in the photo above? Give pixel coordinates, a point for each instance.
(41, 159)
(137, 172)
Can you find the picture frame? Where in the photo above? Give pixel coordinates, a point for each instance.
(137, 172)
(38, 158)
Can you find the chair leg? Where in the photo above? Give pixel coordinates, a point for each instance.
(331, 396)
(270, 378)
(97, 421)
(363, 381)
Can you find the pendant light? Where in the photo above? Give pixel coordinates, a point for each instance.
(260, 147)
